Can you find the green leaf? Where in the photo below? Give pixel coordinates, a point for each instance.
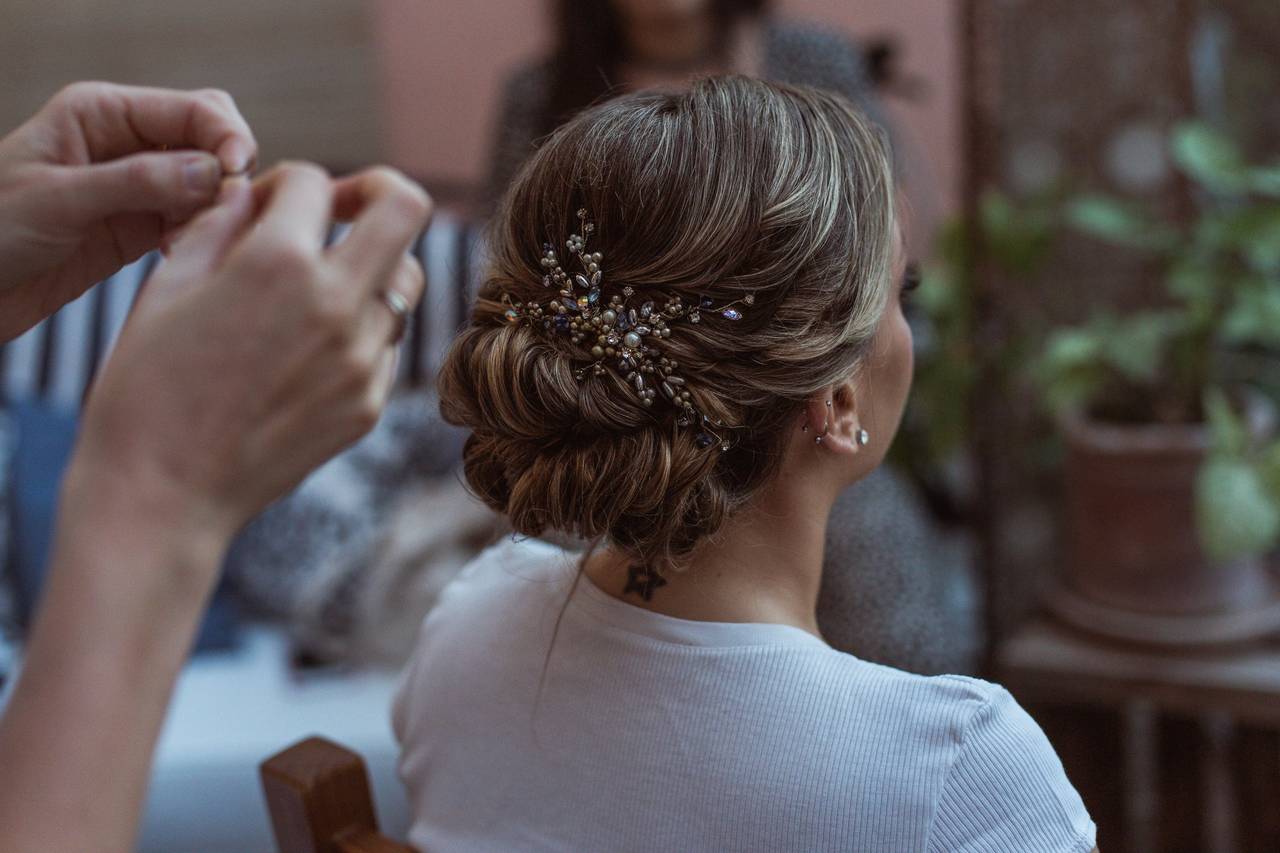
(1211, 158)
(998, 214)
(1073, 366)
(1117, 222)
(1016, 236)
(1235, 514)
(1194, 281)
(1252, 230)
(1227, 431)
(1269, 469)
(1073, 347)
(1136, 348)
(1260, 237)
(1265, 180)
(1254, 317)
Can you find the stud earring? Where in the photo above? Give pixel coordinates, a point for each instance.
(863, 438)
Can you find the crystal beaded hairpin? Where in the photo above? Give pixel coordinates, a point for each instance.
(618, 335)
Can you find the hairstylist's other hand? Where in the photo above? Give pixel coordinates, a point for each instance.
(255, 353)
(92, 181)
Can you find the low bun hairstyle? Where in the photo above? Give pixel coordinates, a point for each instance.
(732, 187)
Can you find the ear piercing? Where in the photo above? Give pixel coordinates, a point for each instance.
(862, 438)
(826, 425)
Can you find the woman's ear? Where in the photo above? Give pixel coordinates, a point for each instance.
(832, 418)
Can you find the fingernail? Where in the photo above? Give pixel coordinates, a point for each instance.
(202, 175)
(237, 157)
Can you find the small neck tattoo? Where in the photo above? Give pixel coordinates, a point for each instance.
(643, 581)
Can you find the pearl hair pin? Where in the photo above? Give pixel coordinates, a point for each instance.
(620, 336)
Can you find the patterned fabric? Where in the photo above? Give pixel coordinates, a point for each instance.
(56, 360)
(282, 565)
(320, 559)
(798, 54)
(897, 589)
(364, 605)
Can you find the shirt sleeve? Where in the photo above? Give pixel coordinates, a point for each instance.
(1007, 790)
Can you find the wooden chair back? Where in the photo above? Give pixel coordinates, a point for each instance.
(319, 799)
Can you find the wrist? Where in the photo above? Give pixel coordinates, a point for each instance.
(141, 523)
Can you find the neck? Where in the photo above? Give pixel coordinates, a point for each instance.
(764, 565)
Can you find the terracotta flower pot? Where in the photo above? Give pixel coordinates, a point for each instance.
(1135, 568)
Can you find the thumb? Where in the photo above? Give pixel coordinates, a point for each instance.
(173, 183)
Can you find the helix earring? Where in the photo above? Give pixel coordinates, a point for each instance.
(826, 426)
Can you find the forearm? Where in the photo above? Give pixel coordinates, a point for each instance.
(127, 584)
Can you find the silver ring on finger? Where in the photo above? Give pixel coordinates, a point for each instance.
(399, 308)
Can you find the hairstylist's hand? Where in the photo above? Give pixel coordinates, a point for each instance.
(255, 353)
(93, 180)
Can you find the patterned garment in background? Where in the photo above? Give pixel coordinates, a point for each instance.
(352, 560)
(335, 511)
(896, 589)
(284, 564)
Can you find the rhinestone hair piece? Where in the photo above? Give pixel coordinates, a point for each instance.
(619, 335)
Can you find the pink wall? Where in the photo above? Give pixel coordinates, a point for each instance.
(442, 64)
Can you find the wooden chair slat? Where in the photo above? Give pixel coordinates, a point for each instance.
(319, 800)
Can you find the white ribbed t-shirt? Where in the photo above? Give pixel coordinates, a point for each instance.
(654, 733)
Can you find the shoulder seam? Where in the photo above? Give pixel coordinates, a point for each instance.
(985, 707)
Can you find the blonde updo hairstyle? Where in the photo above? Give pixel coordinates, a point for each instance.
(732, 187)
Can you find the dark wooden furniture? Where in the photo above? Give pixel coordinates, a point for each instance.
(318, 796)
(1045, 662)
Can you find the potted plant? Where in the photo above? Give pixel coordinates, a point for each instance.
(1172, 470)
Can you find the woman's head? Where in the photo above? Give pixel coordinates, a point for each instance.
(733, 188)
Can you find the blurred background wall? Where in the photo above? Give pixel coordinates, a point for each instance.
(303, 71)
(348, 82)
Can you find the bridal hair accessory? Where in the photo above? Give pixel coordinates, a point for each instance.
(621, 336)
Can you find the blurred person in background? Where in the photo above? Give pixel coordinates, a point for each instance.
(897, 589)
(252, 356)
(606, 47)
